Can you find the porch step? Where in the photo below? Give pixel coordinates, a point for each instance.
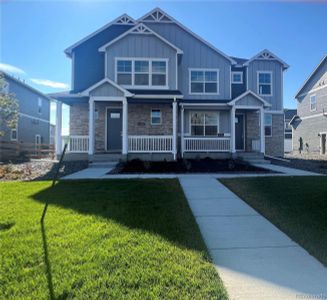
(253, 157)
(104, 158)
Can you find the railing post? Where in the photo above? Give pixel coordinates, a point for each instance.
(125, 128)
(262, 131)
(174, 128)
(232, 130)
(182, 132)
(91, 126)
(58, 127)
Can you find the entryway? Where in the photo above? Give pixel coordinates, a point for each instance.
(114, 129)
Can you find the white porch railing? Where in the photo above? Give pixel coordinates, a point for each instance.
(150, 143)
(76, 143)
(203, 144)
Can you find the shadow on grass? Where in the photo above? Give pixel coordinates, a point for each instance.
(155, 206)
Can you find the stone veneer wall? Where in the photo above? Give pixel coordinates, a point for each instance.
(252, 129)
(275, 143)
(79, 119)
(139, 119)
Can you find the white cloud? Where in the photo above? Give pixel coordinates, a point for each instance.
(49, 83)
(11, 69)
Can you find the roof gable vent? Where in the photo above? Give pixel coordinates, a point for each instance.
(125, 20)
(141, 29)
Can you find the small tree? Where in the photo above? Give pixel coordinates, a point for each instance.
(9, 108)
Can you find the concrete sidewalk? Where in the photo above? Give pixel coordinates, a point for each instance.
(254, 259)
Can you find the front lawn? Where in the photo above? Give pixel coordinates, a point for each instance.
(121, 239)
(297, 205)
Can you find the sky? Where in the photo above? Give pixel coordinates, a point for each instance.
(34, 34)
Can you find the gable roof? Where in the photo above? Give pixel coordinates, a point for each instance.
(289, 113)
(25, 85)
(124, 19)
(239, 60)
(106, 80)
(311, 75)
(251, 93)
(265, 54)
(160, 16)
(140, 29)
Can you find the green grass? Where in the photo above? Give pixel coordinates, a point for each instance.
(296, 205)
(122, 239)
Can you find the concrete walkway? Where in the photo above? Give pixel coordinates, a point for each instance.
(100, 171)
(254, 259)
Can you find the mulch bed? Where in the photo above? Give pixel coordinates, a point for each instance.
(187, 166)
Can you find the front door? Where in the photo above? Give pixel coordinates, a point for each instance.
(114, 129)
(239, 131)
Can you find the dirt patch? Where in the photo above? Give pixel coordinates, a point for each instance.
(38, 169)
(187, 166)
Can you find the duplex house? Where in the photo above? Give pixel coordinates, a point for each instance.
(33, 127)
(153, 89)
(310, 123)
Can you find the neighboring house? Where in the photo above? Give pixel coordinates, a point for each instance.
(310, 123)
(33, 126)
(151, 88)
(288, 116)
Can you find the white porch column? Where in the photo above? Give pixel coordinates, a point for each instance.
(232, 129)
(91, 126)
(58, 127)
(174, 128)
(182, 131)
(262, 131)
(125, 127)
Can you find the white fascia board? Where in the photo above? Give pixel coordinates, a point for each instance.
(189, 31)
(314, 71)
(68, 51)
(249, 92)
(256, 57)
(106, 80)
(104, 47)
(158, 96)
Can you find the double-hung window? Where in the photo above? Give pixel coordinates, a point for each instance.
(313, 102)
(124, 72)
(237, 77)
(142, 72)
(204, 123)
(155, 117)
(268, 124)
(265, 83)
(204, 82)
(39, 105)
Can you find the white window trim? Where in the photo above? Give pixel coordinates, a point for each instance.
(39, 105)
(155, 124)
(150, 60)
(202, 111)
(315, 108)
(271, 125)
(203, 70)
(239, 73)
(11, 138)
(271, 83)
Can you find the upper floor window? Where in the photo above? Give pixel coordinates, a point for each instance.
(313, 103)
(39, 105)
(268, 124)
(142, 72)
(265, 83)
(237, 77)
(13, 134)
(204, 123)
(204, 82)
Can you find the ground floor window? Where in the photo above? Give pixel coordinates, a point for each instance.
(268, 125)
(13, 135)
(155, 117)
(204, 123)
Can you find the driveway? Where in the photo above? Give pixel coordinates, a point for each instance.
(255, 259)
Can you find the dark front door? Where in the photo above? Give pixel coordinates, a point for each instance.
(239, 132)
(114, 129)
